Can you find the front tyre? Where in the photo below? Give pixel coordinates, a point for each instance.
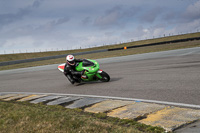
(105, 77)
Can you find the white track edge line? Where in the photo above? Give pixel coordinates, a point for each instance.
(117, 98)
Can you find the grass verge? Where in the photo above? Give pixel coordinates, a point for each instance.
(132, 51)
(27, 117)
(10, 57)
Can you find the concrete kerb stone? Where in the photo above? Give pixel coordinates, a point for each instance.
(84, 102)
(31, 97)
(171, 118)
(45, 99)
(136, 110)
(8, 95)
(63, 100)
(16, 97)
(112, 98)
(107, 105)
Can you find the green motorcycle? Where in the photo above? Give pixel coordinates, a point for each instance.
(92, 71)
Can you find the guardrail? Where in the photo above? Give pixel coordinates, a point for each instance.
(48, 58)
(95, 51)
(158, 43)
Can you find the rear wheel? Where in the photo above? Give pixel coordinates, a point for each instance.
(105, 77)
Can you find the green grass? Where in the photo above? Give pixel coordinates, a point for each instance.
(10, 57)
(21, 117)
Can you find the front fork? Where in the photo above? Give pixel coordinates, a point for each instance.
(98, 73)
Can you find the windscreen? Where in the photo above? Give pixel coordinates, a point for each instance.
(87, 63)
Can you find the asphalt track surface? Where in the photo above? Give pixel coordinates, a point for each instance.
(172, 76)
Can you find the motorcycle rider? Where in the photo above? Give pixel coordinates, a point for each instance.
(70, 71)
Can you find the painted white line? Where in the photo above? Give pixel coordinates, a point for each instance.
(116, 98)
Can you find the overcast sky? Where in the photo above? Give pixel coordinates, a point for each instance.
(34, 25)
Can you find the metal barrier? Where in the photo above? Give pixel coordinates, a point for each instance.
(95, 51)
(48, 58)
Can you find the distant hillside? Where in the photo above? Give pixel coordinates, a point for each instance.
(11, 57)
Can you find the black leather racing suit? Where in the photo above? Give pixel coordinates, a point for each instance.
(71, 73)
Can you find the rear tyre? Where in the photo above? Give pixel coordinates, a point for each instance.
(105, 77)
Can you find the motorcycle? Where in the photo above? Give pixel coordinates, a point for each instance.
(92, 71)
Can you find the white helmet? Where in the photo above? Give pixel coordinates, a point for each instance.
(70, 60)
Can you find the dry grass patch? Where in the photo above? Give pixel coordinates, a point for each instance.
(23, 117)
(107, 54)
(10, 57)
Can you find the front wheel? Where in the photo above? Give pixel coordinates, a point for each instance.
(105, 77)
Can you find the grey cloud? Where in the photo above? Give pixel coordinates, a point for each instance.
(111, 17)
(188, 26)
(170, 16)
(43, 30)
(61, 20)
(132, 11)
(138, 32)
(151, 15)
(9, 17)
(193, 11)
(141, 32)
(51, 24)
(115, 16)
(36, 3)
(86, 21)
(114, 9)
(12, 17)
